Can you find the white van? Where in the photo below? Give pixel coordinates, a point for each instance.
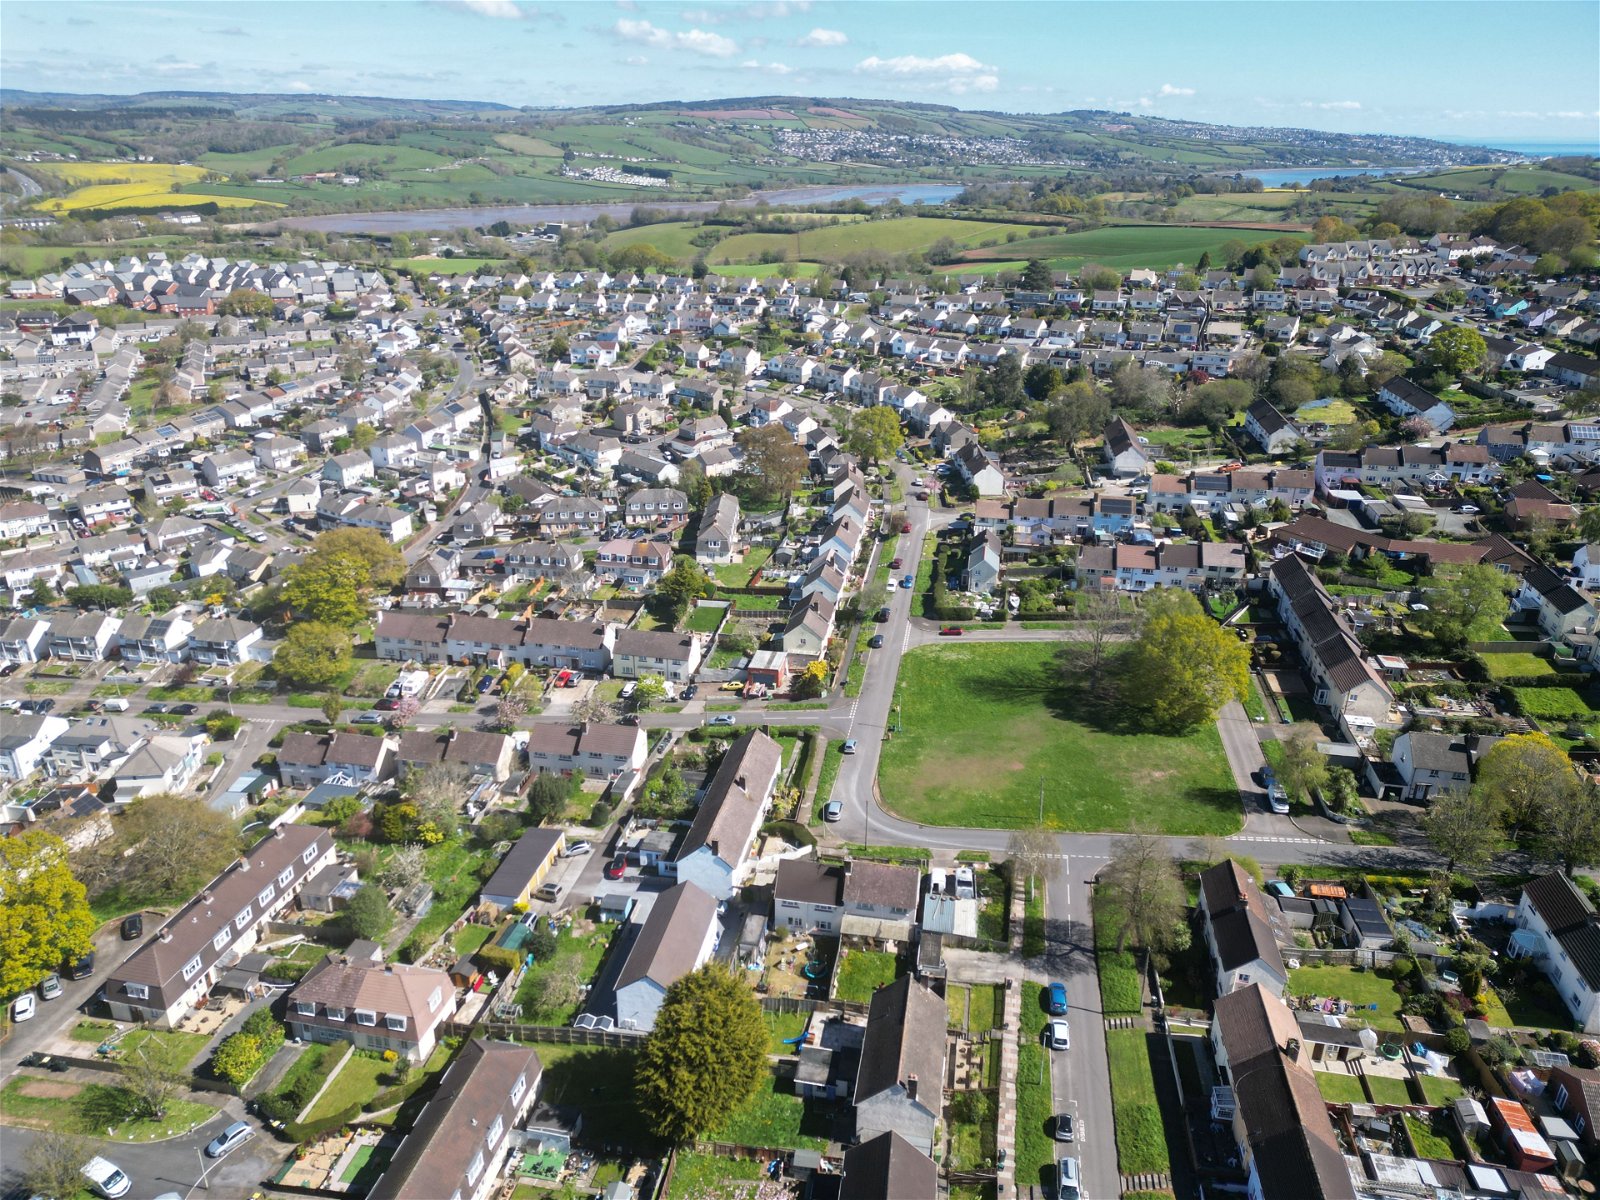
(114, 705)
(106, 1178)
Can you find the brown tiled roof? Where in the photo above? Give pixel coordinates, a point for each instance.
(671, 938)
(807, 881)
(735, 798)
(906, 1025)
(387, 990)
(888, 1166)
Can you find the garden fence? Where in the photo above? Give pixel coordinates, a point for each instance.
(569, 1035)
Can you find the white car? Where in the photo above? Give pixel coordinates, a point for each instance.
(1057, 1034)
(849, 747)
(24, 1007)
(106, 1178)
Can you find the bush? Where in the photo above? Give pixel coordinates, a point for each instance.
(1457, 1042)
(498, 959)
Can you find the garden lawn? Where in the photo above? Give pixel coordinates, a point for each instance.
(863, 972)
(712, 1177)
(1551, 703)
(1510, 664)
(1121, 991)
(983, 724)
(1141, 1136)
(589, 949)
(469, 939)
(1428, 1144)
(1441, 1091)
(705, 620)
(48, 1102)
(1339, 1088)
(165, 1048)
(1035, 1106)
(1360, 988)
(832, 759)
(361, 1078)
(1388, 1091)
(598, 1082)
(780, 1026)
(772, 1117)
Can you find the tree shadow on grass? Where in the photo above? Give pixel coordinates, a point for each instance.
(102, 1106)
(599, 1083)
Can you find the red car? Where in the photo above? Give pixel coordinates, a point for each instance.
(951, 631)
(906, 528)
(894, 564)
(616, 867)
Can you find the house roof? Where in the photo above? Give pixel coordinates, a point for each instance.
(883, 885)
(1572, 921)
(888, 1165)
(807, 881)
(669, 944)
(735, 798)
(905, 1040)
(452, 745)
(1241, 922)
(529, 853)
(388, 989)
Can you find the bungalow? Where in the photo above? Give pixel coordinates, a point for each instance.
(679, 934)
(1125, 456)
(712, 854)
(1560, 930)
(389, 1008)
(161, 981)
(524, 868)
(900, 1082)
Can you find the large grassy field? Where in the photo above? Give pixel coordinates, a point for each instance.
(894, 235)
(984, 725)
(1122, 247)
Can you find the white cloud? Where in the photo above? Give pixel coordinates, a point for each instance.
(912, 64)
(696, 41)
(299, 85)
(500, 10)
(1569, 116)
(636, 60)
(1333, 105)
(1168, 90)
(771, 68)
(823, 37)
(765, 10)
(174, 67)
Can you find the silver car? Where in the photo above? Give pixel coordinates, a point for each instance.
(229, 1138)
(50, 987)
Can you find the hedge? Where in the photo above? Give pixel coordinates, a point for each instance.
(790, 831)
(1576, 680)
(309, 1131)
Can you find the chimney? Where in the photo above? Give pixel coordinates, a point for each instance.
(165, 935)
(1292, 1049)
(205, 897)
(911, 1086)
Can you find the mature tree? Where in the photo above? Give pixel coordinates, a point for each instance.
(51, 1163)
(1076, 410)
(1569, 832)
(1525, 776)
(706, 1056)
(774, 463)
(332, 705)
(1103, 623)
(681, 587)
(1466, 605)
(1034, 852)
(556, 989)
(439, 791)
(874, 434)
(385, 565)
(1304, 766)
(152, 1084)
(168, 845)
(511, 709)
(648, 691)
(1143, 886)
(1036, 276)
(407, 867)
(369, 915)
(44, 919)
(1589, 524)
(694, 484)
(327, 588)
(1457, 349)
(312, 655)
(98, 596)
(812, 681)
(547, 797)
(1463, 827)
(1182, 666)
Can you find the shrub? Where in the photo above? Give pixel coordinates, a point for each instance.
(498, 959)
(1457, 1042)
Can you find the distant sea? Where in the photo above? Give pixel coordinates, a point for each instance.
(1532, 149)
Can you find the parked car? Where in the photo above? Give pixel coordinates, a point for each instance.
(387, 704)
(1067, 1179)
(849, 746)
(881, 615)
(906, 527)
(875, 642)
(721, 719)
(50, 987)
(1057, 1035)
(833, 810)
(951, 631)
(574, 849)
(1056, 999)
(24, 1007)
(370, 718)
(133, 927)
(83, 968)
(485, 684)
(894, 564)
(908, 582)
(690, 692)
(1063, 1127)
(1469, 509)
(229, 1138)
(616, 868)
(186, 710)
(106, 1178)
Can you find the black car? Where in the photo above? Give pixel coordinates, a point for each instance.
(83, 968)
(43, 706)
(155, 710)
(133, 927)
(881, 615)
(690, 692)
(875, 642)
(185, 710)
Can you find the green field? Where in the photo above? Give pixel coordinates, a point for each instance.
(1141, 1136)
(983, 725)
(894, 235)
(1122, 247)
(1510, 665)
(1516, 180)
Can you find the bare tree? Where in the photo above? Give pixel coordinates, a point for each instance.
(557, 988)
(1143, 885)
(153, 1085)
(1034, 853)
(1104, 623)
(405, 868)
(51, 1162)
(439, 792)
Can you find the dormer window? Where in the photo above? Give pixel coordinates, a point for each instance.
(366, 1017)
(305, 1008)
(310, 856)
(191, 968)
(224, 936)
(335, 1012)
(394, 1021)
(285, 876)
(243, 918)
(265, 895)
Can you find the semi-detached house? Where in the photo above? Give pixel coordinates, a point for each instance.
(460, 637)
(307, 759)
(678, 935)
(161, 980)
(379, 1007)
(1560, 930)
(712, 854)
(641, 652)
(598, 750)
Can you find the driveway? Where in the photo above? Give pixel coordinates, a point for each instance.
(56, 1017)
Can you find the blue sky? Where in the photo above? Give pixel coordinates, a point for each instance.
(1438, 67)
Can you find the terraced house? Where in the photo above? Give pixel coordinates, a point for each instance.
(1342, 679)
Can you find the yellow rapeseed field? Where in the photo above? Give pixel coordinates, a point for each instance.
(148, 185)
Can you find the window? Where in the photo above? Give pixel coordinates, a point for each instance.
(285, 876)
(243, 918)
(394, 1021)
(139, 991)
(191, 968)
(305, 1008)
(434, 999)
(224, 935)
(335, 1012)
(475, 1168)
(265, 895)
(518, 1088)
(496, 1130)
(309, 856)
(366, 1017)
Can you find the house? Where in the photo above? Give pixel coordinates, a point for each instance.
(601, 751)
(978, 471)
(307, 759)
(900, 1082)
(348, 470)
(633, 564)
(983, 563)
(712, 854)
(1273, 431)
(679, 934)
(1575, 1092)
(1559, 608)
(458, 1146)
(23, 639)
(656, 506)
(717, 537)
(1287, 1145)
(228, 469)
(164, 762)
(1531, 502)
(1125, 456)
(809, 627)
(224, 641)
(86, 637)
(25, 742)
(888, 1165)
(859, 898)
(1409, 402)
(383, 1007)
(641, 652)
(1342, 679)
(523, 868)
(1431, 763)
(1560, 930)
(1240, 931)
(474, 751)
(161, 980)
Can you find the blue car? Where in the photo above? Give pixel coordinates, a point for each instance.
(909, 582)
(1056, 999)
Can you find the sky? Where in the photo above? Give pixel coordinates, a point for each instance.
(1438, 68)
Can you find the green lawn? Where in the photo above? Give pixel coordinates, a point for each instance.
(587, 950)
(1141, 1136)
(598, 1081)
(1358, 987)
(774, 1117)
(102, 1110)
(362, 1077)
(712, 1177)
(1428, 1143)
(1388, 1091)
(1510, 664)
(973, 1120)
(1441, 1091)
(164, 1047)
(974, 1007)
(470, 938)
(1035, 1148)
(983, 725)
(1121, 991)
(705, 619)
(780, 1027)
(1033, 939)
(832, 758)
(1338, 1088)
(1121, 248)
(863, 972)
